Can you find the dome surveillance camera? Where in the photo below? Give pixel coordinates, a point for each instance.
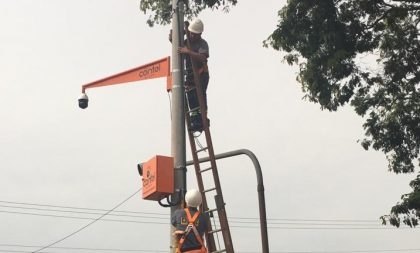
(83, 101)
(140, 169)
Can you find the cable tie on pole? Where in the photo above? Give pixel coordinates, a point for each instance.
(183, 168)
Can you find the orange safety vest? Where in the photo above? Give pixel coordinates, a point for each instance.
(191, 228)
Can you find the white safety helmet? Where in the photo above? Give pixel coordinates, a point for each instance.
(196, 26)
(193, 198)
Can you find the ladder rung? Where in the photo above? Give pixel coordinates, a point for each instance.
(215, 231)
(202, 149)
(219, 251)
(209, 190)
(194, 109)
(206, 169)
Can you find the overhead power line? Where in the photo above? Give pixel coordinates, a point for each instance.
(156, 250)
(310, 220)
(78, 208)
(81, 212)
(327, 228)
(165, 214)
(82, 248)
(233, 226)
(237, 222)
(345, 251)
(81, 218)
(20, 251)
(89, 224)
(149, 217)
(151, 221)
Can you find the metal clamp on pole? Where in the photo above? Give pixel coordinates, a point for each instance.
(179, 193)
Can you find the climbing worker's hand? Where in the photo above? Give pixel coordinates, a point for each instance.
(170, 36)
(183, 50)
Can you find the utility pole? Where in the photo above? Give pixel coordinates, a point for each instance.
(178, 141)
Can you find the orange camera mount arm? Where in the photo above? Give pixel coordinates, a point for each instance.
(156, 69)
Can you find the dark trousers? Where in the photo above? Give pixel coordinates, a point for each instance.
(192, 94)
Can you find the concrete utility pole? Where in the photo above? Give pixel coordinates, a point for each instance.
(178, 110)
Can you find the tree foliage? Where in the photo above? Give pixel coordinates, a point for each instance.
(161, 10)
(327, 40)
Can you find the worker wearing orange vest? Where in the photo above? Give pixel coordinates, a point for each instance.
(197, 54)
(190, 225)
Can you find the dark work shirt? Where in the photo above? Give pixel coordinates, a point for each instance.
(180, 221)
(200, 47)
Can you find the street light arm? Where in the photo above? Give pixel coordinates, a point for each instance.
(260, 189)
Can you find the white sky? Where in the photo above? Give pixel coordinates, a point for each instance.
(53, 153)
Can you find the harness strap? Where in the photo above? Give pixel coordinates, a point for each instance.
(191, 226)
(191, 220)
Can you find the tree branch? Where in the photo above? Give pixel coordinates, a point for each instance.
(379, 19)
(411, 4)
(407, 1)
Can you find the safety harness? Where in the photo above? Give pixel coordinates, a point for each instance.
(191, 228)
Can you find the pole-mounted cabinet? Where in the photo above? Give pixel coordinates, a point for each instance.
(157, 177)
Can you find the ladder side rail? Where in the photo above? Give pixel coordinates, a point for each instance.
(211, 244)
(220, 210)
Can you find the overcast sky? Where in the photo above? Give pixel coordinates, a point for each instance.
(53, 153)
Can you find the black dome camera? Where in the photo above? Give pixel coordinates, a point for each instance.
(83, 101)
(140, 169)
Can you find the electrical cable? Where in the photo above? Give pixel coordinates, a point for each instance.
(237, 220)
(197, 141)
(84, 218)
(149, 250)
(315, 220)
(19, 251)
(170, 105)
(82, 248)
(78, 208)
(350, 251)
(79, 212)
(215, 228)
(163, 214)
(327, 228)
(234, 226)
(87, 225)
(163, 223)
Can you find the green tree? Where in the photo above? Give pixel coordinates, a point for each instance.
(161, 10)
(326, 39)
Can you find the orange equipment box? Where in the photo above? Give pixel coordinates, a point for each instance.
(158, 178)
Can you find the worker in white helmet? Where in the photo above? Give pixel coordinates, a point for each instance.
(190, 225)
(196, 54)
